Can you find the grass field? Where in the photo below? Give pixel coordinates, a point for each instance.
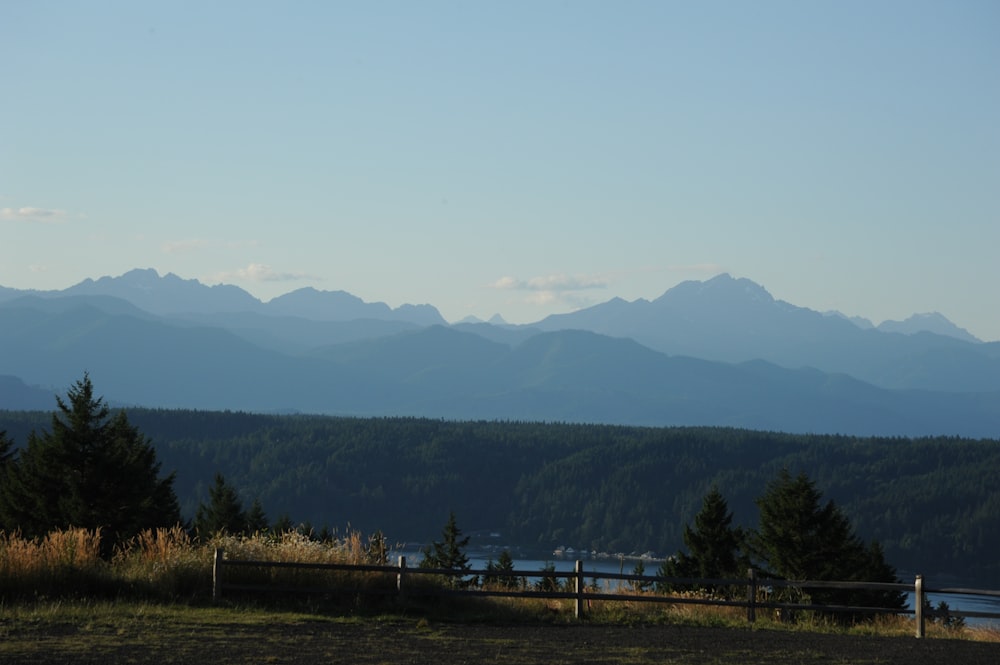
(150, 605)
(155, 634)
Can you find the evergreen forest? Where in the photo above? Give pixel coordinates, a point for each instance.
(932, 504)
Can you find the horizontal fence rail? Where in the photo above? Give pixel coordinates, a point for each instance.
(758, 594)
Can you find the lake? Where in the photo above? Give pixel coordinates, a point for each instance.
(528, 561)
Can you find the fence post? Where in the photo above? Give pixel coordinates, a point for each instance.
(217, 575)
(579, 589)
(751, 595)
(918, 604)
(399, 577)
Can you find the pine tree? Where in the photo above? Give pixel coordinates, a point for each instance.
(800, 538)
(223, 513)
(797, 536)
(6, 448)
(283, 525)
(449, 552)
(715, 547)
(7, 461)
(505, 563)
(93, 470)
(256, 518)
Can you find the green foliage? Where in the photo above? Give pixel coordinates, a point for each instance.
(639, 570)
(6, 449)
(256, 518)
(91, 470)
(595, 487)
(7, 468)
(799, 538)
(449, 552)
(548, 582)
(942, 615)
(223, 513)
(715, 545)
(504, 564)
(283, 524)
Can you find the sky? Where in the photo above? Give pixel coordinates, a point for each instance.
(520, 158)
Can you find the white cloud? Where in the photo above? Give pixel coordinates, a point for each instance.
(550, 283)
(259, 272)
(32, 214)
(553, 290)
(542, 298)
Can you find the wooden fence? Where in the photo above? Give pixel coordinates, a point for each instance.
(759, 591)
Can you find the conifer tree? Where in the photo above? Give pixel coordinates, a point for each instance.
(800, 538)
(505, 563)
(6, 448)
(715, 547)
(448, 552)
(223, 513)
(6, 478)
(92, 470)
(256, 518)
(283, 525)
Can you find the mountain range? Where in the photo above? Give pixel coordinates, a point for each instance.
(716, 352)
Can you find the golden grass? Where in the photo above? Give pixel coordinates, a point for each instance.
(42, 566)
(167, 565)
(71, 548)
(163, 562)
(985, 633)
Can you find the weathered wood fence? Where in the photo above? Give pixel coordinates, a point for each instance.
(759, 591)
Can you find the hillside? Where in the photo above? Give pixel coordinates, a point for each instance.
(932, 503)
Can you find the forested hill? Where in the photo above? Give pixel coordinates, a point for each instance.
(932, 503)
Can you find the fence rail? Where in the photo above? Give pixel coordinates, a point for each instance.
(757, 588)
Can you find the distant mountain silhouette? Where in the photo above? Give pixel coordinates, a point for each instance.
(171, 295)
(168, 294)
(932, 322)
(15, 395)
(308, 303)
(719, 352)
(737, 320)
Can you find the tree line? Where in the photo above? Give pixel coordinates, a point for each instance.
(931, 503)
(93, 469)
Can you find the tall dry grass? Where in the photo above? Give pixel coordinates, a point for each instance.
(169, 564)
(62, 560)
(295, 547)
(163, 563)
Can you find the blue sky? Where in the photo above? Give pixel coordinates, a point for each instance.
(524, 158)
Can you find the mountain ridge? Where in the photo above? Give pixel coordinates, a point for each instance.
(720, 352)
(172, 295)
(161, 294)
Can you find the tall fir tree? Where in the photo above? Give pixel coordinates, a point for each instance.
(223, 513)
(449, 552)
(92, 470)
(7, 461)
(715, 546)
(800, 538)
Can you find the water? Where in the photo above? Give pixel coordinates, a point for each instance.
(965, 603)
(528, 562)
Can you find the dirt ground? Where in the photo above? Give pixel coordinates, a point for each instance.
(384, 642)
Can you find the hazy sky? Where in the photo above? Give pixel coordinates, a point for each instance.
(515, 157)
